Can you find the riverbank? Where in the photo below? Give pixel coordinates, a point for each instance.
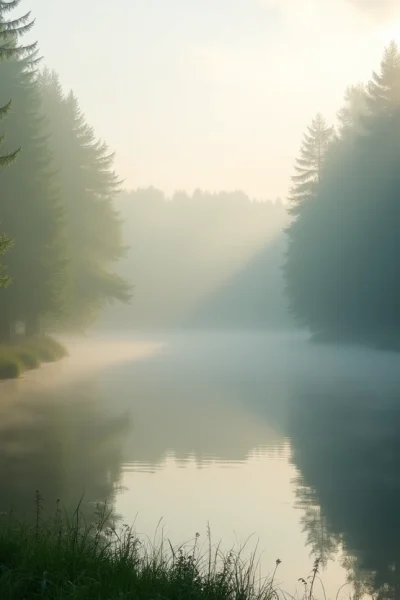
(70, 559)
(386, 341)
(28, 354)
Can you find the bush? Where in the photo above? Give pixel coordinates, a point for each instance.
(10, 366)
(59, 350)
(46, 348)
(43, 353)
(27, 356)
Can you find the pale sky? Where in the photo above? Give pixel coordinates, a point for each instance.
(211, 93)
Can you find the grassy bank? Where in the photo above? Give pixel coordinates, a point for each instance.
(69, 559)
(28, 354)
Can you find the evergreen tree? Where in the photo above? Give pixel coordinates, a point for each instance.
(309, 165)
(370, 213)
(377, 182)
(342, 270)
(10, 30)
(309, 174)
(383, 90)
(350, 116)
(29, 207)
(88, 186)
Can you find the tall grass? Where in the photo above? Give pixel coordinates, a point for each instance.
(73, 560)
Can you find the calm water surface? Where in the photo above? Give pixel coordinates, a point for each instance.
(255, 435)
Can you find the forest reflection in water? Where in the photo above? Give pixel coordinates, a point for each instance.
(348, 460)
(63, 444)
(257, 435)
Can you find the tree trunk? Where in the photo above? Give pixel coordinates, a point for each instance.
(32, 326)
(5, 331)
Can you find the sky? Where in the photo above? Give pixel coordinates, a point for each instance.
(214, 94)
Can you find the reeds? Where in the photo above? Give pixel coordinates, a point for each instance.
(68, 558)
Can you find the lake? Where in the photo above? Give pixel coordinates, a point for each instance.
(265, 439)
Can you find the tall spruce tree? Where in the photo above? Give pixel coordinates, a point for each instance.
(355, 108)
(309, 169)
(88, 186)
(10, 30)
(309, 164)
(377, 184)
(369, 215)
(383, 90)
(29, 207)
(342, 269)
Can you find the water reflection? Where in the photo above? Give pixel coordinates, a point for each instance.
(209, 444)
(347, 451)
(63, 443)
(195, 401)
(254, 434)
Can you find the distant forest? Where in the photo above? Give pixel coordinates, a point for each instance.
(202, 261)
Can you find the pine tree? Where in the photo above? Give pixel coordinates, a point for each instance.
(370, 212)
(377, 184)
(29, 207)
(309, 165)
(342, 271)
(350, 116)
(88, 186)
(10, 30)
(383, 90)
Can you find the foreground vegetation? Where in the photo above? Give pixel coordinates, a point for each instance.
(71, 559)
(28, 354)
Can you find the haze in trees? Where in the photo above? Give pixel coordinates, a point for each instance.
(216, 277)
(88, 185)
(10, 31)
(341, 269)
(201, 261)
(57, 193)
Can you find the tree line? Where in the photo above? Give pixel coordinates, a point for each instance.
(342, 267)
(200, 260)
(62, 232)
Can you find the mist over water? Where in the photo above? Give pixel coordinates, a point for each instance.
(192, 359)
(252, 433)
